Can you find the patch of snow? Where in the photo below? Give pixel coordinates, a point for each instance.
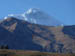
(29, 11)
(5, 17)
(32, 10)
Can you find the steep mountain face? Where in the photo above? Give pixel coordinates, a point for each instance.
(19, 34)
(37, 16)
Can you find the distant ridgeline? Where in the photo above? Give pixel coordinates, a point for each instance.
(22, 35)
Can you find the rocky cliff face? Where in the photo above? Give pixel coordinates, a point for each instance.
(19, 34)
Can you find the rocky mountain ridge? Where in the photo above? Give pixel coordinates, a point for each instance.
(20, 34)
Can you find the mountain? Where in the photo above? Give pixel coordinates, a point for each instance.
(20, 34)
(37, 16)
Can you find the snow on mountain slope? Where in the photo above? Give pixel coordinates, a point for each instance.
(37, 16)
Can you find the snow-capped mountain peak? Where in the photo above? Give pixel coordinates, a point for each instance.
(36, 16)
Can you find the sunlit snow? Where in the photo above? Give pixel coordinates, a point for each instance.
(5, 17)
(36, 16)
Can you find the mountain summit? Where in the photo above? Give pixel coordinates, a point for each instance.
(36, 16)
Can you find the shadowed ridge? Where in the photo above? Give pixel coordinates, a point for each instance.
(68, 30)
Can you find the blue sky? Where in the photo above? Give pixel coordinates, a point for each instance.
(62, 10)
